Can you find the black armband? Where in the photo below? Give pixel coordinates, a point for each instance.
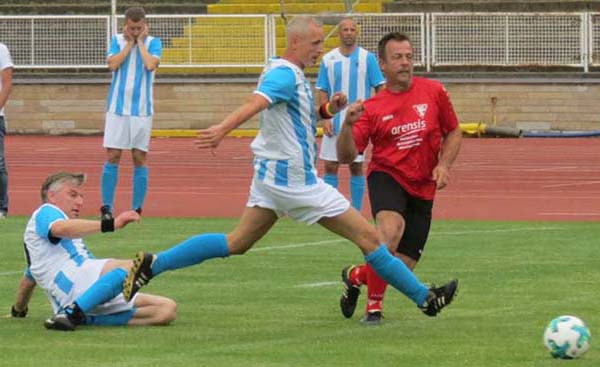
(107, 225)
(15, 313)
(325, 112)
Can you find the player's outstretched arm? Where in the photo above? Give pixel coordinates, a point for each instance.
(211, 137)
(79, 228)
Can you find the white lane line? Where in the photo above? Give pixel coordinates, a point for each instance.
(571, 184)
(572, 214)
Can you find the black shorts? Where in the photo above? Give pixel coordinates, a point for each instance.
(385, 193)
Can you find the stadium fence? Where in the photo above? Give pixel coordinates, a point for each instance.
(441, 39)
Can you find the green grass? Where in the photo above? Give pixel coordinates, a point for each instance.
(261, 310)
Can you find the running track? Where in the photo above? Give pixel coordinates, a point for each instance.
(493, 179)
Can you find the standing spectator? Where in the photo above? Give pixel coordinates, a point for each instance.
(416, 138)
(133, 58)
(6, 71)
(355, 72)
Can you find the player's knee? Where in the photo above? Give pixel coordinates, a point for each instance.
(168, 312)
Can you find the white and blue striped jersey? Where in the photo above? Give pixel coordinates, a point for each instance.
(285, 147)
(354, 75)
(48, 256)
(131, 86)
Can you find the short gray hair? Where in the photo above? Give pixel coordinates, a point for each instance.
(299, 25)
(56, 180)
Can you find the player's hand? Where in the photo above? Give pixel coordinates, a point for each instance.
(17, 313)
(441, 176)
(353, 112)
(338, 102)
(141, 38)
(209, 138)
(328, 128)
(127, 35)
(126, 217)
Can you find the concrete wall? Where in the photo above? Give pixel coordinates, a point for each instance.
(79, 108)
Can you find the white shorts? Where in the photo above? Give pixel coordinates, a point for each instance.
(83, 277)
(328, 150)
(308, 205)
(127, 132)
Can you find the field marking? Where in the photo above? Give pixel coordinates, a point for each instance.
(315, 285)
(571, 184)
(10, 273)
(318, 243)
(591, 214)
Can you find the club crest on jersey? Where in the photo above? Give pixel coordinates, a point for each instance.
(420, 109)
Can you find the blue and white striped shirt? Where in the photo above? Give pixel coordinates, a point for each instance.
(47, 257)
(131, 87)
(285, 147)
(355, 75)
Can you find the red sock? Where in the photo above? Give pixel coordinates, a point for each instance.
(358, 275)
(376, 290)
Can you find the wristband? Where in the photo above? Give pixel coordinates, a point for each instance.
(324, 111)
(15, 313)
(107, 225)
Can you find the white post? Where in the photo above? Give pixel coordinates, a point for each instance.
(113, 16)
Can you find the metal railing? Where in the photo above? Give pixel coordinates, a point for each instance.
(440, 39)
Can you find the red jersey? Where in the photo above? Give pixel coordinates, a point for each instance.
(406, 130)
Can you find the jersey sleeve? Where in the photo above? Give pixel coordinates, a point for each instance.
(44, 220)
(5, 59)
(374, 71)
(361, 132)
(322, 79)
(448, 118)
(155, 48)
(114, 47)
(278, 85)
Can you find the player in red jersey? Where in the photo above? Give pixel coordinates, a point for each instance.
(416, 138)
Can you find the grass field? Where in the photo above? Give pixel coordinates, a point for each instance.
(278, 305)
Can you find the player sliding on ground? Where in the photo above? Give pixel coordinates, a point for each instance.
(286, 181)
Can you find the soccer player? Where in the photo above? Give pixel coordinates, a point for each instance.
(6, 70)
(355, 72)
(416, 138)
(285, 180)
(133, 57)
(80, 288)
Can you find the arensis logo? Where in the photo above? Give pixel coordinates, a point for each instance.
(420, 109)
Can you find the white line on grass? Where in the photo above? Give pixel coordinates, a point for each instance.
(10, 273)
(318, 243)
(318, 284)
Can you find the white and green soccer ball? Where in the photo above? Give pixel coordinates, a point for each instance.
(567, 337)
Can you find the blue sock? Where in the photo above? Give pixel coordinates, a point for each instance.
(357, 191)
(331, 179)
(192, 251)
(110, 176)
(115, 319)
(140, 186)
(103, 290)
(396, 273)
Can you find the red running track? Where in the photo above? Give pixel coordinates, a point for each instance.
(493, 179)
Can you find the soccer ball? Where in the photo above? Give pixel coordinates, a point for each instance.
(567, 337)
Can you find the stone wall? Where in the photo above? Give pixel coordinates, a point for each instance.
(60, 108)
